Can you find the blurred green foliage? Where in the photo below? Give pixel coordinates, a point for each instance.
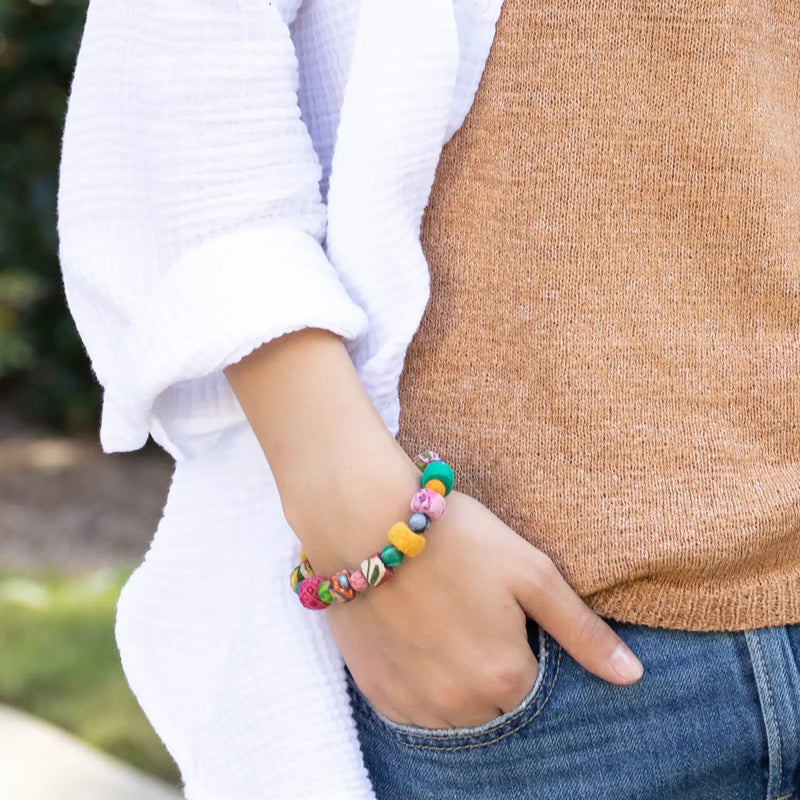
(43, 365)
(60, 662)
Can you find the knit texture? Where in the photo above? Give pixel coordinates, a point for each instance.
(611, 355)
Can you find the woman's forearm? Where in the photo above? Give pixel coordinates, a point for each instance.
(340, 473)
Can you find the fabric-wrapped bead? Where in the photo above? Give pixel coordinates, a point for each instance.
(340, 588)
(424, 458)
(429, 503)
(358, 581)
(439, 471)
(299, 573)
(419, 522)
(375, 571)
(391, 556)
(405, 540)
(307, 592)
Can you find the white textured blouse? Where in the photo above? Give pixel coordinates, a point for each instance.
(233, 171)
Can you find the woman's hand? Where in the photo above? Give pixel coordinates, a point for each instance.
(444, 643)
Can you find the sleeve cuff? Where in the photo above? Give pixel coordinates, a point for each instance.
(218, 303)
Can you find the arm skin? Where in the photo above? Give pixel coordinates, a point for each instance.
(341, 475)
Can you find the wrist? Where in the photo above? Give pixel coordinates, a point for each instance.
(345, 512)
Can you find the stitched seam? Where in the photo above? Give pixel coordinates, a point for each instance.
(447, 734)
(774, 715)
(474, 745)
(789, 796)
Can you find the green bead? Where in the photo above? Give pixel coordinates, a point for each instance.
(391, 556)
(324, 593)
(439, 470)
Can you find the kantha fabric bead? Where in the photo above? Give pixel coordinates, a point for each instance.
(430, 503)
(437, 486)
(340, 589)
(440, 471)
(358, 581)
(419, 522)
(425, 458)
(307, 592)
(300, 572)
(324, 592)
(391, 556)
(405, 540)
(375, 571)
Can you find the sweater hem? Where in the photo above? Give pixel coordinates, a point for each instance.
(772, 600)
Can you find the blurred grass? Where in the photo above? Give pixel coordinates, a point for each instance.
(59, 661)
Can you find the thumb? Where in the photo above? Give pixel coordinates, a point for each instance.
(547, 598)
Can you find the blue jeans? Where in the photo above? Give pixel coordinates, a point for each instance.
(716, 716)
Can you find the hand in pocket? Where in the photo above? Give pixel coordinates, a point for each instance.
(445, 644)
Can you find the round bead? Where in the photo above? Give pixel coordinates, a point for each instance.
(358, 581)
(391, 556)
(375, 571)
(299, 573)
(405, 540)
(418, 522)
(424, 458)
(440, 471)
(437, 486)
(340, 588)
(429, 503)
(307, 592)
(324, 593)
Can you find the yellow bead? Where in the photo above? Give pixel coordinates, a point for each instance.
(437, 486)
(303, 556)
(405, 540)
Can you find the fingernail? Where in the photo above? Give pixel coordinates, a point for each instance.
(625, 664)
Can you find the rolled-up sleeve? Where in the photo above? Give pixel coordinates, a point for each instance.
(191, 225)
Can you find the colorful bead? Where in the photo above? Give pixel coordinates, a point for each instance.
(419, 522)
(437, 486)
(358, 581)
(440, 471)
(340, 588)
(405, 540)
(375, 571)
(391, 556)
(299, 573)
(429, 503)
(307, 592)
(424, 458)
(324, 593)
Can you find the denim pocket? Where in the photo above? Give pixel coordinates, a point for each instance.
(549, 657)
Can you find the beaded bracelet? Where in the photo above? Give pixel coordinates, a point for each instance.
(405, 539)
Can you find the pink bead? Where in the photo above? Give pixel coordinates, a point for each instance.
(428, 502)
(358, 581)
(307, 592)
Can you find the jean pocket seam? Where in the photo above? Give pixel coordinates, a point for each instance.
(429, 744)
(526, 722)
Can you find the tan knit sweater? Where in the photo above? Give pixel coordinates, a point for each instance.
(610, 358)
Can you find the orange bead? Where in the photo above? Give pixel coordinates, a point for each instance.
(436, 485)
